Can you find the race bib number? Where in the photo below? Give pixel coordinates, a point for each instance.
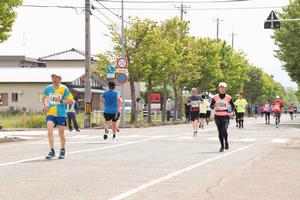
(221, 105)
(195, 104)
(277, 107)
(241, 105)
(55, 99)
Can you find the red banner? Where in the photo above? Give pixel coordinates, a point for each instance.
(155, 98)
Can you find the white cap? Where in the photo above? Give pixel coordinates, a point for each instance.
(223, 84)
(55, 74)
(277, 97)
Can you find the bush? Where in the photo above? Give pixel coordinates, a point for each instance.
(36, 121)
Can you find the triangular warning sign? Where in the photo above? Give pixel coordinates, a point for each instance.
(272, 16)
(272, 21)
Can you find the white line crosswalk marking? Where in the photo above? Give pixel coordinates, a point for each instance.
(280, 140)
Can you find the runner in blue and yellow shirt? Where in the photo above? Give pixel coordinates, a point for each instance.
(55, 98)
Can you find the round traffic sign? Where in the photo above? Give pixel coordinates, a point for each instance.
(110, 69)
(122, 78)
(122, 62)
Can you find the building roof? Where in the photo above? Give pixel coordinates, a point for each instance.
(38, 75)
(69, 55)
(17, 58)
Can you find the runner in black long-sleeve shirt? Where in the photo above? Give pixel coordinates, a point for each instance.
(220, 104)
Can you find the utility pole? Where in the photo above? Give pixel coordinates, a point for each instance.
(123, 55)
(232, 39)
(218, 20)
(183, 10)
(87, 99)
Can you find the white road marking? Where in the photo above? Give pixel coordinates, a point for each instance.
(93, 149)
(77, 152)
(248, 140)
(280, 140)
(175, 174)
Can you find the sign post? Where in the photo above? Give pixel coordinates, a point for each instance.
(122, 78)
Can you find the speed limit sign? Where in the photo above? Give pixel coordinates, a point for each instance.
(122, 62)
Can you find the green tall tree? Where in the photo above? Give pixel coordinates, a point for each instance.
(176, 32)
(7, 17)
(235, 69)
(287, 39)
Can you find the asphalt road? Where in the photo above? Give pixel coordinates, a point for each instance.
(157, 163)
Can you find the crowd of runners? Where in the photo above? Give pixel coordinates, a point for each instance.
(57, 100)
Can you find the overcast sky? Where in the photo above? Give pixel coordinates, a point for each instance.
(42, 31)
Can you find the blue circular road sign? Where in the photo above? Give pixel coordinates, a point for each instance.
(122, 78)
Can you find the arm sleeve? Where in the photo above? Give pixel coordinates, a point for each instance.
(76, 106)
(232, 105)
(212, 104)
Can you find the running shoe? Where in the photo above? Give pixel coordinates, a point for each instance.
(105, 136)
(61, 154)
(221, 149)
(115, 137)
(226, 146)
(195, 133)
(50, 155)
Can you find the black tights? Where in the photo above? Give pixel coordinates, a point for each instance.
(267, 116)
(222, 125)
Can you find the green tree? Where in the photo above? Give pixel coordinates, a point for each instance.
(103, 61)
(206, 61)
(291, 96)
(7, 17)
(176, 32)
(288, 40)
(235, 69)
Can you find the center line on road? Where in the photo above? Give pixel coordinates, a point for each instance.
(175, 174)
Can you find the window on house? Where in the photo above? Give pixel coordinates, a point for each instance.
(14, 97)
(4, 99)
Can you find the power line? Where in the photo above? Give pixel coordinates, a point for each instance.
(100, 20)
(110, 10)
(157, 9)
(106, 17)
(172, 2)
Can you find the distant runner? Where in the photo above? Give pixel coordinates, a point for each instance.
(291, 111)
(111, 100)
(203, 111)
(241, 105)
(278, 105)
(267, 111)
(194, 102)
